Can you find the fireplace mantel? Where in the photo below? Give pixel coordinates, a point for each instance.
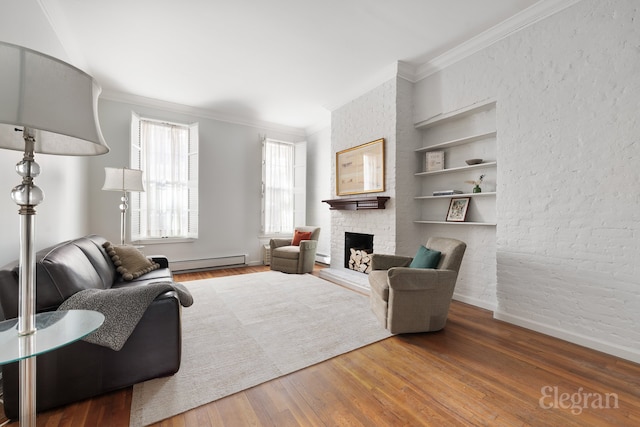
(357, 203)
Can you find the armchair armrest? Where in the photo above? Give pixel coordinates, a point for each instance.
(307, 245)
(277, 243)
(419, 279)
(385, 262)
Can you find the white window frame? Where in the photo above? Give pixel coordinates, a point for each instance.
(298, 191)
(138, 205)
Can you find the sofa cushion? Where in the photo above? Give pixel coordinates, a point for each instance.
(129, 261)
(425, 258)
(289, 252)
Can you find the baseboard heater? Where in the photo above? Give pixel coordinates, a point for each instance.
(323, 259)
(208, 263)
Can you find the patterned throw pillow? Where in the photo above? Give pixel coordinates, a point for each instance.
(129, 261)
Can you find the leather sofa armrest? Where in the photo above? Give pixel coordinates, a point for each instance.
(163, 261)
(385, 262)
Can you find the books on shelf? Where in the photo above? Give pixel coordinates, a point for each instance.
(447, 192)
(434, 161)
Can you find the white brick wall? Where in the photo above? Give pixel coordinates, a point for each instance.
(367, 118)
(568, 235)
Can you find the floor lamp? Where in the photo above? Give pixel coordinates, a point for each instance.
(46, 106)
(123, 180)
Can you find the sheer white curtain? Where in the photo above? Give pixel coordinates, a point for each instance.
(165, 208)
(278, 187)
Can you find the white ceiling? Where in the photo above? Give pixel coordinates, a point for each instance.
(287, 62)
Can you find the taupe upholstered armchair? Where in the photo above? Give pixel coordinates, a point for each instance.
(415, 299)
(296, 259)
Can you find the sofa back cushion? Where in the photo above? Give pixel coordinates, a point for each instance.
(61, 271)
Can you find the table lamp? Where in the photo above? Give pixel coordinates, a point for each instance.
(123, 180)
(46, 106)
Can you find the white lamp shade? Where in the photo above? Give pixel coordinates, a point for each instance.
(57, 101)
(122, 179)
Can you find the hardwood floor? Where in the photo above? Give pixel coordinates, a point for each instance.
(477, 371)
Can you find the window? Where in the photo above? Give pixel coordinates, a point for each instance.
(167, 153)
(283, 186)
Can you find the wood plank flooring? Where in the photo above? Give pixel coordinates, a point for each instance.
(477, 371)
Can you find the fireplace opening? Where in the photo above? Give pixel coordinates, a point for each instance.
(358, 248)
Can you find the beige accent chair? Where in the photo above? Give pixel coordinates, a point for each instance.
(415, 299)
(295, 259)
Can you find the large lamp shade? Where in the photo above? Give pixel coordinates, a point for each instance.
(56, 101)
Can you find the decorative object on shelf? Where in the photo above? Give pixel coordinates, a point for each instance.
(46, 106)
(458, 209)
(446, 192)
(360, 169)
(123, 180)
(357, 203)
(473, 161)
(476, 188)
(434, 161)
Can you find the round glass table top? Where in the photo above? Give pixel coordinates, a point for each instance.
(53, 329)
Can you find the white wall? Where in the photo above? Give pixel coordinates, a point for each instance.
(568, 140)
(230, 177)
(63, 214)
(319, 157)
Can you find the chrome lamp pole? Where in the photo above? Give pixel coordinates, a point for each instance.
(46, 106)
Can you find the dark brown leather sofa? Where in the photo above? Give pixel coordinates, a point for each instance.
(82, 370)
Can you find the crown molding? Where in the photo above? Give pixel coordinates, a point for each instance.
(535, 13)
(199, 112)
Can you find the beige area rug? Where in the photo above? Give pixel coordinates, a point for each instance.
(248, 329)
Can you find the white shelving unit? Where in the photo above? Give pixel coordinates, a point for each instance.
(462, 134)
(489, 194)
(458, 169)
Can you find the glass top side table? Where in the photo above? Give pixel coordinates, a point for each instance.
(54, 329)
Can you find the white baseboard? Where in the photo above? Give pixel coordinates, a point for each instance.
(474, 301)
(207, 263)
(589, 342)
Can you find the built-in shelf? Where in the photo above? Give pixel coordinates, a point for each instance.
(456, 142)
(458, 169)
(474, 128)
(457, 114)
(357, 203)
(456, 223)
(449, 196)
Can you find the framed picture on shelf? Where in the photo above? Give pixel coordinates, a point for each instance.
(458, 209)
(434, 161)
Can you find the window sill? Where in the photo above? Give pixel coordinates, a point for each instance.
(276, 236)
(164, 240)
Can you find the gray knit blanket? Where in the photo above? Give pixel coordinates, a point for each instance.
(122, 309)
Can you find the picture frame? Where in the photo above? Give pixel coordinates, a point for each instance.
(458, 209)
(360, 169)
(434, 161)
